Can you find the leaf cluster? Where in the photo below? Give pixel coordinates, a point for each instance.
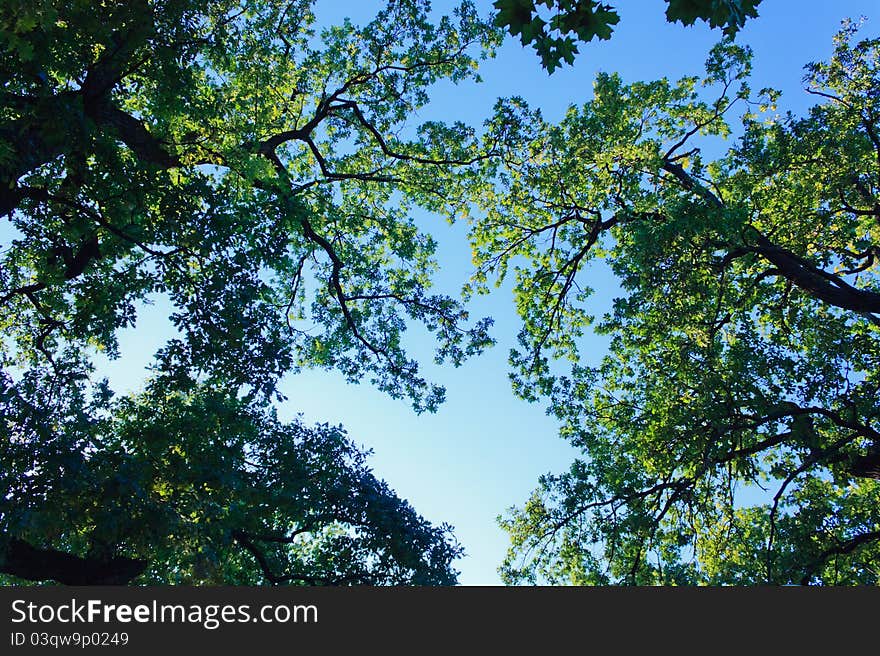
(554, 27)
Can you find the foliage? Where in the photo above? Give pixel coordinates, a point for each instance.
(731, 434)
(256, 174)
(554, 36)
(205, 485)
(253, 173)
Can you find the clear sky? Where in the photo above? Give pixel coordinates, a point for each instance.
(484, 450)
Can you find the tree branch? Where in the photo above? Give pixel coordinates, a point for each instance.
(23, 560)
(840, 550)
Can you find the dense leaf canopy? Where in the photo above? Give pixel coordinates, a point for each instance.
(201, 488)
(250, 172)
(257, 176)
(731, 434)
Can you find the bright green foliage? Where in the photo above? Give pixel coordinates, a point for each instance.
(554, 30)
(731, 435)
(243, 167)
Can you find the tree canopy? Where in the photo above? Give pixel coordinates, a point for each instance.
(258, 175)
(200, 488)
(731, 433)
(253, 172)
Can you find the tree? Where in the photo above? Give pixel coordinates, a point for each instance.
(553, 31)
(254, 174)
(731, 434)
(203, 488)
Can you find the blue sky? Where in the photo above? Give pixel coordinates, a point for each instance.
(484, 450)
